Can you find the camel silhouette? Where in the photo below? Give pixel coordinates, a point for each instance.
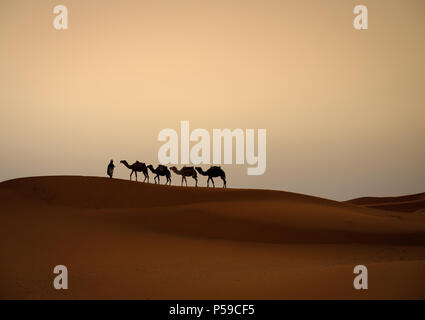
(213, 172)
(137, 167)
(161, 170)
(186, 172)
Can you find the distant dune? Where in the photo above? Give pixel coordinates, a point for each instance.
(409, 203)
(122, 239)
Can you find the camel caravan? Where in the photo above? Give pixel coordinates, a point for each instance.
(161, 170)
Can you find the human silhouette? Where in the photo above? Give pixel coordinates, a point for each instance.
(110, 170)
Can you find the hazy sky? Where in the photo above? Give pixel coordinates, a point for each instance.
(344, 109)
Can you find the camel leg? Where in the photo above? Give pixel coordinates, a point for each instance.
(135, 172)
(196, 181)
(212, 180)
(208, 182)
(182, 181)
(224, 182)
(131, 174)
(185, 180)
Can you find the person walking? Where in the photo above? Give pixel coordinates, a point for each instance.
(110, 170)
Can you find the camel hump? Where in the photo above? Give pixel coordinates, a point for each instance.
(162, 167)
(215, 167)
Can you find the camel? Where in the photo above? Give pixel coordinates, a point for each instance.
(161, 170)
(137, 167)
(213, 172)
(186, 172)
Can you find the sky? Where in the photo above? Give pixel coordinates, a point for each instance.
(344, 109)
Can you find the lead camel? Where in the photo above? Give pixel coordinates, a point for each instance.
(137, 167)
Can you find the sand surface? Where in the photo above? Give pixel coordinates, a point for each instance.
(130, 240)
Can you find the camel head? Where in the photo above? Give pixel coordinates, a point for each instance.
(174, 169)
(199, 169)
(123, 161)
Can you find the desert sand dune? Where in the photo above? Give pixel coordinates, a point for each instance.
(74, 191)
(409, 203)
(122, 239)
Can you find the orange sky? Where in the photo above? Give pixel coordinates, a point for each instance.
(344, 109)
